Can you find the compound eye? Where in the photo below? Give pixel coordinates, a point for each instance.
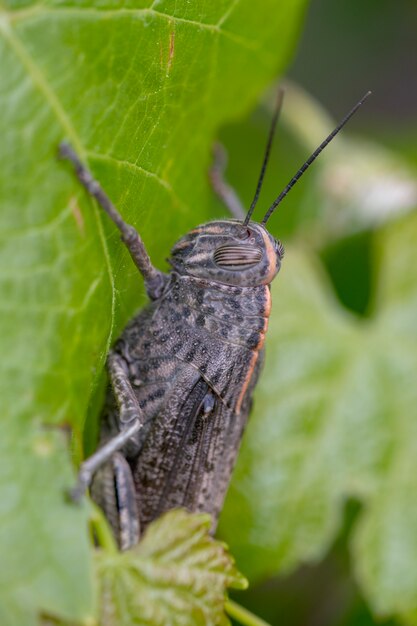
(233, 257)
(279, 248)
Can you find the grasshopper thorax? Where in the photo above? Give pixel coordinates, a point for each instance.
(228, 252)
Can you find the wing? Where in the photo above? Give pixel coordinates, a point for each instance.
(188, 456)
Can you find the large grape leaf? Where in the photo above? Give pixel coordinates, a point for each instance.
(139, 89)
(335, 416)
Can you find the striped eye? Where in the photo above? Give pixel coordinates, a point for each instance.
(237, 257)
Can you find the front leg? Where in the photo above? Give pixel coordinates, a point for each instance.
(154, 279)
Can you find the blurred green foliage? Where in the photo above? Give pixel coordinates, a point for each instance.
(336, 590)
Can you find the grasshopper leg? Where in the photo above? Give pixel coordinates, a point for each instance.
(113, 489)
(225, 192)
(154, 279)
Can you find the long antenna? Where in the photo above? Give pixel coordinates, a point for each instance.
(312, 158)
(266, 157)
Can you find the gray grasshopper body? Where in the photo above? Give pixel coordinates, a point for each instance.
(192, 358)
(183, 372)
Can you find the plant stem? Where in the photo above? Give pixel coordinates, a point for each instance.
(102, 531)
(242, 615)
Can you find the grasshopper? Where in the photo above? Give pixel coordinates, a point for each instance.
(183, 372)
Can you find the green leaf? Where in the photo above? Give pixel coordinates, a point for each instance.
(43, 538)
(139, 89)
(177, 575)
(335, 416)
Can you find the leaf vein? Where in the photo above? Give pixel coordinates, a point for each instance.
(51, 98)
(40, 10)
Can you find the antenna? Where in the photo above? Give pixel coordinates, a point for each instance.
(266, 157)
(313, 157)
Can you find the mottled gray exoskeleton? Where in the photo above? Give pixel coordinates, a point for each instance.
(183, 372)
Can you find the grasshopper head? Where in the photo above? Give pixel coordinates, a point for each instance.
(230, 253)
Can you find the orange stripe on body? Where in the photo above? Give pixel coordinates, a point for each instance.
(258, 347)
(247, 380)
